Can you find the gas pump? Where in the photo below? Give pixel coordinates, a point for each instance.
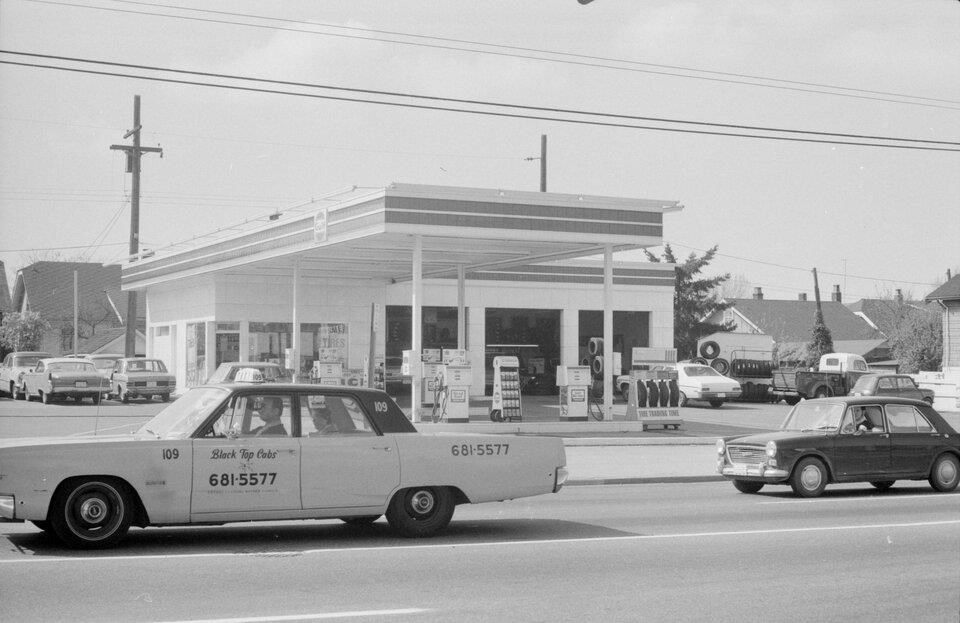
(574, 383)
(506, 390)
(432, 364)
(327, 373)
(456, 401)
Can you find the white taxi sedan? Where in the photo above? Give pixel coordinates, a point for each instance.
(247, 452)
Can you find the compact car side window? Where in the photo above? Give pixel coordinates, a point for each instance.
(901, 418)
(886, 383)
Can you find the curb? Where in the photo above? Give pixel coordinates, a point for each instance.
(643, 481)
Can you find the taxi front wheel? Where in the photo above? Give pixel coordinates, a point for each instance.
(90, 513)
(420, 511)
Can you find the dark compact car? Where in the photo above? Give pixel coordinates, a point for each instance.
(891, 385)
(875, 439)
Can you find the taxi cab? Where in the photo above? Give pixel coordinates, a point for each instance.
(263, 451)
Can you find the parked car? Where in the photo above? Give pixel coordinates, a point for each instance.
(891, 385)
(14, 365)
(875, 439)
(103, 362)
(139, 377)
(245, 452)
(697, 381)
(63, 377)
(272, 372)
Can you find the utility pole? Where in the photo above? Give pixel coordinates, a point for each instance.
(134, 153)
(543, 162)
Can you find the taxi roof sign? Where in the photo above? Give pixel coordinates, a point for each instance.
(249, 375)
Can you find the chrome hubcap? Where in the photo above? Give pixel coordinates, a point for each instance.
(93, 511)
(947, 471)
(422, 502)
(810, 477)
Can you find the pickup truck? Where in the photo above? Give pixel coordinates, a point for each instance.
(835, 376)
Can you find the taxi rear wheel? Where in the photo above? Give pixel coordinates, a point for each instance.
(809, 478)
(420, 511)
(945, 474)
(91, 513)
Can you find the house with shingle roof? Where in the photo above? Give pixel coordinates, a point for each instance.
(946, 381)
(47, 288)
(790, 323)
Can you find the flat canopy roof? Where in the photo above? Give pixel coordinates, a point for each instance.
(372, 233)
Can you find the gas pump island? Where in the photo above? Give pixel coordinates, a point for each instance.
(445, 385)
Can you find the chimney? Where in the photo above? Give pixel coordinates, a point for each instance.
(835, 296)
(757, 294)
(802, 296)
(899, 295)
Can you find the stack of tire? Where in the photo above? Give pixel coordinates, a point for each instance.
(740, 368)
(594, 361)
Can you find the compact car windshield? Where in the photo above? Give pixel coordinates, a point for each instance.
(700, 371)
(806, 416)
(182, 417)
(863, 383)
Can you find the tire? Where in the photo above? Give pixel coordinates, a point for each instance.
(792, 400)
(721, 365)
(945, 473)
(682, 400)
(700, 360)
(625, 391)
(716, 404)
(13, 390)
(165, 397)
(809, 477)
(20, 394)
(90, 513)
(823, 392)
(123, 396)
(882, 485)
(364, 520)
(420, 511)
(929, 401)
(709, 349)
(747, 486)
(496, 415)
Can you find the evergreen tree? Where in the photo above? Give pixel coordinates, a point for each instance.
(821, 342)
(694, 300)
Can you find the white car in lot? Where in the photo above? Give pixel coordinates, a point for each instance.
(698, 382)
(249, 451)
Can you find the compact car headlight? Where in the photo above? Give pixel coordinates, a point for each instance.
(771, 448)
(721, 447)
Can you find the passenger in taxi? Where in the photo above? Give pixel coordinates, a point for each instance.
(321, 420)
(270, 412)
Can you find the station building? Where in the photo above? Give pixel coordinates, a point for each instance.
(359, 276)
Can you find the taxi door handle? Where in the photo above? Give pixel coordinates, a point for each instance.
(385, 448)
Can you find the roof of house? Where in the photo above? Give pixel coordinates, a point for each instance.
(950, 291)
(792, 321)
(6, 304)
(48, 289)
(105, 337)
(886, 314)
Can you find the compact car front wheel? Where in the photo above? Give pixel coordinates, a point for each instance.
(809, 477)
(945, 474)
(420, 511)
(90, 513)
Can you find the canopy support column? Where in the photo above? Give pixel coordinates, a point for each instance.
(416, 328)
(461, 308)
(608, 370)
(295, 334)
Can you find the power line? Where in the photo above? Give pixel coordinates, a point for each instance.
(589, 61)
(493, 113)
(453, 100)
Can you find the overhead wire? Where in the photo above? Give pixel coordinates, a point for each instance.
(923, 144)
(589, 61)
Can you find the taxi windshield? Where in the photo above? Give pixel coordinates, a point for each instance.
(182, 417)
(815, 415)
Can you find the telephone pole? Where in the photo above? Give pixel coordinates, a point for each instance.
(543, 162)
(134, 153)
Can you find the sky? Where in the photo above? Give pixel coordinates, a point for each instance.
(870, 219)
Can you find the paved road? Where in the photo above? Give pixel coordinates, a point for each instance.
(697, 552)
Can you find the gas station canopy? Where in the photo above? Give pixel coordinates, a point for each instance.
(371, 234)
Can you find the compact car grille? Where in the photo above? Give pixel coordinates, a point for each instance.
(746, 454)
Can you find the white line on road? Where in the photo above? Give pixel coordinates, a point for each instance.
(307, 617)
(448, 546)
(873, 498)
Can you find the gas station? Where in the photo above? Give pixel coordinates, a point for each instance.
(478, 292)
